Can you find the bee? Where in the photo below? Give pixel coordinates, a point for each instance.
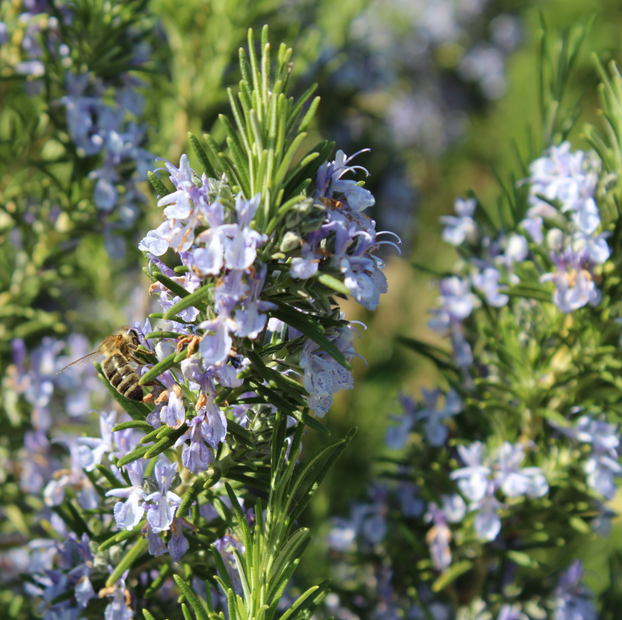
(118, 351)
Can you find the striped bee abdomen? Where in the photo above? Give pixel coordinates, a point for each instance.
(122, 377)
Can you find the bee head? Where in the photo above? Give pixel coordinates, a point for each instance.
(133, 340)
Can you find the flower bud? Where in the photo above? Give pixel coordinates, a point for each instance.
(291, 241)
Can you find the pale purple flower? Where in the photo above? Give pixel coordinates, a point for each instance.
(397, 435)
(515, 481)
(160, 514)
(456, 298)
(239, 240)
(573, 601)
(128, 514)
(602, 469)
(364, 280)
(215, 347)
(511, 612)
(533, 226)
(323, 376)
(91, 449)
(329, 174)
(561, 175)
(342, 534)
(209, 260)
(170, 234)
(250, 319)
(435, 430)
(178, 544)
(594, 247)
(54, 492)
(225, 546)
(303, 267)
(454, 508)
(118, 608)
(438, 538)
(173, 414)
(81, 572)
(602, 466)
(197, 456)
(487, 524)
(410, 504)
(461, 227)
(487, 282)
(155, 545)
(179, 205)
(463, 353)
(472, 479)
(516, 250)
(37, 464)
(575, 285)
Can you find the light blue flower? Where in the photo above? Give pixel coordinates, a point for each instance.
(438, 538)
(487, 523)
(323, 376)
(128, 514)
(573, 601)
(575, 286)
(119, 609)
(92, 449)
(178, 544)
(511, 612)
(436, 431)
(250, 319)
(173, 414)
(472, 479)
(515, 481)
(463, 227)
(487, 282)
(160, 514)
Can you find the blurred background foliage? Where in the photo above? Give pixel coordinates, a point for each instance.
(438, 89)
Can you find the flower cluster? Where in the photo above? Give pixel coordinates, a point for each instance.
(572, 598)
(484, 475)
(436, 431)
(602, 465)
(562, 191)
(514, 373)
(561, 199)
(100, 128)
(50, 397)
(102, 109)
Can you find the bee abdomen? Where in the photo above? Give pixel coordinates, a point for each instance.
(122, 377)
(130, 388)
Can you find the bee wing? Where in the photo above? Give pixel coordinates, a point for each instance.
(83, 361)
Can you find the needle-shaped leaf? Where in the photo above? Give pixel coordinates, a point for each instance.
(195, 299)
(190, 496)
(126, 562)
(319, 478)
(132, 424)
(119, 537)
(159, 187)
(202, 157)
(298, 321)
(134, 455)
(192, 598)
(333, 283)
(164, 444)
